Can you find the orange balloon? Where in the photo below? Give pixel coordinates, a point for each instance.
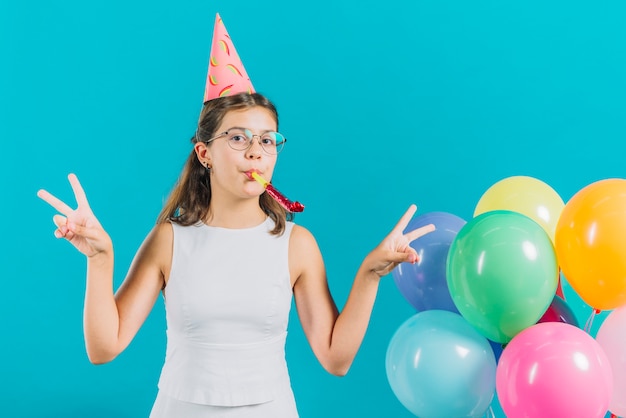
(590, 243)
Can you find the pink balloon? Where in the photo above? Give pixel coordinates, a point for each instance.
(612, 338)
(553, 369)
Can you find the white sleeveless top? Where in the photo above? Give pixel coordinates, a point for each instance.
(227, 307)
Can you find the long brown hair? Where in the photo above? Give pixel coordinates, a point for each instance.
(189, 201)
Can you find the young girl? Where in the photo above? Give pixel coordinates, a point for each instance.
(227, 259)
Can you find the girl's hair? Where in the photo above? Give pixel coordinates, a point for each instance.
(189, 202)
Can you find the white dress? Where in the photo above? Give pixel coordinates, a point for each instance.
(227, 306)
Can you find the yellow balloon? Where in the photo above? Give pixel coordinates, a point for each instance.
(526, 195)
(591, 243)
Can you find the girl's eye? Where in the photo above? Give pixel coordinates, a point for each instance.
(238, 138)
(266, 140)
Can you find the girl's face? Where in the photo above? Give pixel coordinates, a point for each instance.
(229, 166)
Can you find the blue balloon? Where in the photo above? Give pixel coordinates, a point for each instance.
(424, 284)
(439, 366)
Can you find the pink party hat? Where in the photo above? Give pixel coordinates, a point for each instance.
(226, 75)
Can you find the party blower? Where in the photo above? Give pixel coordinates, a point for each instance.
(271, 190)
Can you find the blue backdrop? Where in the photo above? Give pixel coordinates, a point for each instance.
(385, 103)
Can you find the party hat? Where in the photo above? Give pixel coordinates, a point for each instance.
(226, 75)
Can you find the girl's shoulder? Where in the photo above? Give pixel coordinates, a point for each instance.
(163, 229)
(302, 239)
(160, 239)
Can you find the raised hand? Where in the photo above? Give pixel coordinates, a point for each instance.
(395, 248)
(79, 226)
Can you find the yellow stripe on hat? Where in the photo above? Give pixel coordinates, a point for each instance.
(233, 69)
(224, 47)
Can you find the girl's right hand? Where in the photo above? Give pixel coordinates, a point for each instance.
(79, 226)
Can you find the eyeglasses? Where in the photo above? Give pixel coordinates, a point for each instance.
(240, 139)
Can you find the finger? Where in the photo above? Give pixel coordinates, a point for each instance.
(69, 235)
(54, 202)
(420, 232)
(397, 257)
(404, 221)
(79, 193)
(61, 231)
(59, 220)
(394, 259)
(88, 233)
(413, 256)
(408, 257)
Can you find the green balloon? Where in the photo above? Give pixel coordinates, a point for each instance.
(502, 273)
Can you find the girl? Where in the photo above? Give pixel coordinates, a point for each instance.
(227, 304)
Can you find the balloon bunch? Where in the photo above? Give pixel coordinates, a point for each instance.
(491, 317)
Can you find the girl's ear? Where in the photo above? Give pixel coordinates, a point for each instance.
(203, 153)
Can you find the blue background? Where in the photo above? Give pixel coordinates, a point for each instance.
(385, 103)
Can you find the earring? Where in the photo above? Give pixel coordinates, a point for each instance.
(207, 166)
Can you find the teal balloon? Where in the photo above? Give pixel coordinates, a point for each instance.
(439, 366)
(502, 273)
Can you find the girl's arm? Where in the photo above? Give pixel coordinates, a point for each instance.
(111, 320)
(336, 337)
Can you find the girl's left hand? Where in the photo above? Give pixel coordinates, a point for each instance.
(395, 248)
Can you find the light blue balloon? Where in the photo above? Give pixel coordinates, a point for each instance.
(439, 366)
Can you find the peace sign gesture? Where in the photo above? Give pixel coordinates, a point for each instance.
(395, 248)
(79, 226)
